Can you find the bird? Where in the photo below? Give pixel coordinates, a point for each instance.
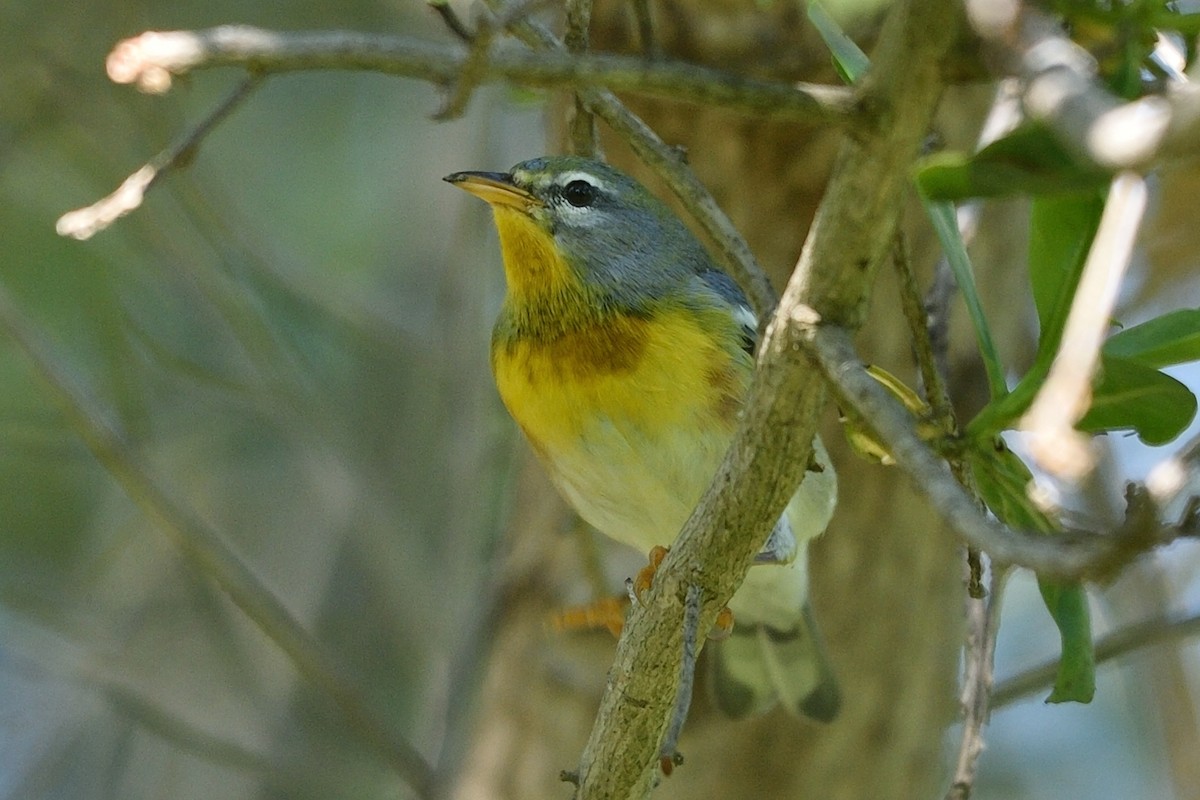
(624, 353)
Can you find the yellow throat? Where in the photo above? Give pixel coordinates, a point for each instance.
(562, 360)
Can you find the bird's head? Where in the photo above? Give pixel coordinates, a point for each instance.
(567, 220)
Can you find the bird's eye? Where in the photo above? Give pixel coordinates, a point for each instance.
(579, 193)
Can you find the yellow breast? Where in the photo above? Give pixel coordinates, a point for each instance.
(624, 374)
(629, 409)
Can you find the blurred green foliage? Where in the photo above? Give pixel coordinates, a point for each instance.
(293, 334)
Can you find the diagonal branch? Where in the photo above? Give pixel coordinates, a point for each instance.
(83, 223)
(849, 239)
(1067, 555)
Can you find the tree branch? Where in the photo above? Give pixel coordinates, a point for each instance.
(582, 125)
(152, 58)
(1067, 555)
(983, 620)
(1112, 645)
(849, 239)
(83, 223)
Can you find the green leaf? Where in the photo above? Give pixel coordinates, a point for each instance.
(848, 58)
(1061, 230)
(1131, 396)
(945, 225)
(1002, 479)
(1076, 677)
(1185, 24)
(1173, 338)
(1029, 160)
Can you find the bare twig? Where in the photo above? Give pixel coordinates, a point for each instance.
(1066, 394)
(152, 58)
(937, 311)
(933, 384)
(479, 52)
(1066, 555)
(208, 551)
(1174, 483)
(647, 41)
(1112, 645)
(1003, 116)
(451, 20)
(83, 223)
(188, 737)
(582, 124)
(473, 70)
(984, 624)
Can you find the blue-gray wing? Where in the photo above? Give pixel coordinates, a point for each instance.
(727, 289)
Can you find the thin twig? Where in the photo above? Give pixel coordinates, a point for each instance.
(479, 52)
(1067, 555)
(1175, 481)
(1112, 645)
(85, 222)
(936, 303)
(472, 73)
(582, 125)
(933, 383)
(647, 40)
(978, 673)
(188, 737)
(451, 20)
(208, 551)
(155, 56)
(1066, 393)
(1003, 116)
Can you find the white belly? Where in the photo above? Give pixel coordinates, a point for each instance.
(635, 490)
(647, 498)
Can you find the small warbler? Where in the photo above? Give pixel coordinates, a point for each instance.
(623, 352)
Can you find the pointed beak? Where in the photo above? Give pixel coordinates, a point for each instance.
(497, 188)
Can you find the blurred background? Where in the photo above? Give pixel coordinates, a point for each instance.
(293, 335)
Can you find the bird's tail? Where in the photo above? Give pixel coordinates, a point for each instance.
(759, 666)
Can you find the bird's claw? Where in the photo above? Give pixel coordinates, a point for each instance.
(641, 583)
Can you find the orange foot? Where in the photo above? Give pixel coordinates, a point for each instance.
(722, 627)
(607, 612)
(645, 577)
